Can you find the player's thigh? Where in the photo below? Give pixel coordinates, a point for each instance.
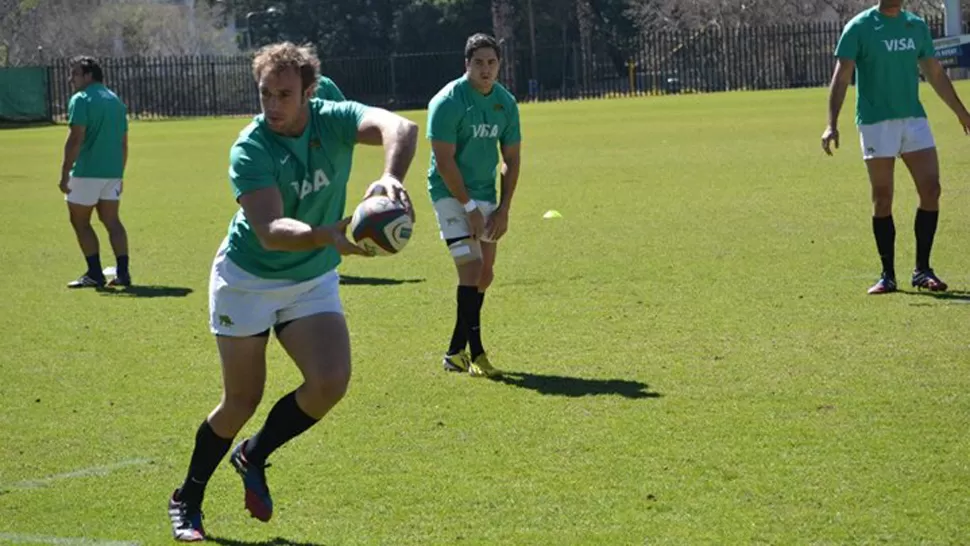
(238, 307)
(882, 140)
(319, 345)
(108, 211)
(312, 329)
(243, 370)
(84, 191)
(882, 173)
(464, 250)
(924, 167)
(79, 215)
(109, 201)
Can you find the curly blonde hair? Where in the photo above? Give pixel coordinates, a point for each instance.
(279, 57)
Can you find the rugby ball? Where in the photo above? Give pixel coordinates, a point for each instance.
(381, 225)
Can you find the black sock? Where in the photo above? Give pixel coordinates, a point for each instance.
(459, 338)
(122, 266)
(885, 232)
(94, 266)
(209, 450)
(285, 421)
(469, 308)
(925, 228)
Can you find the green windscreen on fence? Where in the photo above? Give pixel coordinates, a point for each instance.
(23, 94)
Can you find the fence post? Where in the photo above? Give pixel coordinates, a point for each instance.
(48, 72)
(631, 65)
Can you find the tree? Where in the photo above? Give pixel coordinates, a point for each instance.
(503, 25)
(40, 30)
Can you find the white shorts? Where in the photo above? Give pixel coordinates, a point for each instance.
(894, 137)
(242, 304)
(452, 218)
(88, 191)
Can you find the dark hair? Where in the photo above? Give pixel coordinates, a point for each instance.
(278, 57)
(481, 41)
(88, 65)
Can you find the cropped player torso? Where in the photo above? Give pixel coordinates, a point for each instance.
(481, 122)
(311, 172)
(887, 64)
(328, 90)
(102, 154)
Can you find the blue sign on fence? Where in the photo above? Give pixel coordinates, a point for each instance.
(953, 51)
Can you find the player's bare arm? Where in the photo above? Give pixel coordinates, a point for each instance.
(398, 135)
(72, 148)
(936, 75)
(124, 151)
(498, 223)
(841, 79)
(444, 155)
(264, 211)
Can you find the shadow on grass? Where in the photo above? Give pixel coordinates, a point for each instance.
(575, 387)
(147, 291)
(351, 280)
(278, 541)
(958, 296)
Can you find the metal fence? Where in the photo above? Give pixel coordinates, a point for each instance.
(703, 61)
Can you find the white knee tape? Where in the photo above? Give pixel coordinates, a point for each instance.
(465, 250)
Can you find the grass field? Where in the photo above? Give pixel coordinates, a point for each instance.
(695, 359)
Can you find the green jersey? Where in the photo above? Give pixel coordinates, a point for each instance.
(105, 121)
(887, 51)
(311, 172)
(327, 90)
(476, 124)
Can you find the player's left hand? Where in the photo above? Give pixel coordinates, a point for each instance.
(393, 188)
(497, 225)
(65, 189)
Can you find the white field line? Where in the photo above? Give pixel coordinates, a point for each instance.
(82, 473)
(58, 541)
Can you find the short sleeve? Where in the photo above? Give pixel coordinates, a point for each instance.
(77, 112)
(513, 131)
(444, 115)
(250, 167)
(927, 49)
(328, 90)
(344, 118)
(848, 47)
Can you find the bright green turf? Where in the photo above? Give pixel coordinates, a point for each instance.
(708, 254)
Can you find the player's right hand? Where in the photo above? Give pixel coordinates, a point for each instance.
(476, 224)
(63, 185)
(831, 135)
(965, 122)
(338, 233)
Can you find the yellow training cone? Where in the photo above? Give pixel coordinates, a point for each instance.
(552, 214)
